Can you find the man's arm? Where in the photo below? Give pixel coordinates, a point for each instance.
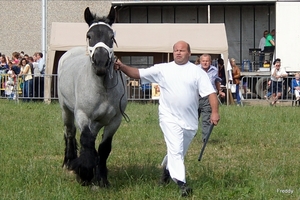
(129, 71)
(272, 42)
(219, 89)
(214, 104)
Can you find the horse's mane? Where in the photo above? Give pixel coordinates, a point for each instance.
(100, 19)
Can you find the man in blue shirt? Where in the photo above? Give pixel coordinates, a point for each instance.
(204, 106)
(41, 65)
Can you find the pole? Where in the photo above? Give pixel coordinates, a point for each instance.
(44, 29)
(205, 141)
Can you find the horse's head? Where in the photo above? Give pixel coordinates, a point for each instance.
(100, 39)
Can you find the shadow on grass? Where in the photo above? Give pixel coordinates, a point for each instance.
(232, 182)
(121, 176)
(215, 141)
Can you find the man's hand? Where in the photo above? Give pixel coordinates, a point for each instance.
(132, 72)
(221, 94)
(214, 104)
(214, 118)
(118, 64)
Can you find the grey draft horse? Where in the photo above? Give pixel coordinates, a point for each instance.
(93, 94)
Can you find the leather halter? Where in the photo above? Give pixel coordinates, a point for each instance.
(100, 44)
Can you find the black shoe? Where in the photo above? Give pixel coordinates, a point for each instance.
(185, 190)
(165, 177)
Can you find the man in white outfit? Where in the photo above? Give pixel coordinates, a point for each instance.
(181, 82)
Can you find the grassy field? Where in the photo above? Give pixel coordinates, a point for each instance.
(253, 154)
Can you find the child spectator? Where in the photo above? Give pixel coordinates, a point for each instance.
(11, 82)
(296, 86)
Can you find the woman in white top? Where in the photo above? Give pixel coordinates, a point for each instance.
(277, 75)
(27, 77)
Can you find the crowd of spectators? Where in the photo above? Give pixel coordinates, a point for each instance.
(24, 71)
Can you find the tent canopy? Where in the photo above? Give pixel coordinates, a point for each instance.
(155, 38)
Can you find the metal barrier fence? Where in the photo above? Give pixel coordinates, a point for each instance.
(35, 89)
(251, 88)
(260, 88)
(17, 88)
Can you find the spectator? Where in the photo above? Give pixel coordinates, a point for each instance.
(36, 77)
(236, 75)
(11, 82)
(22, 54)
(41, 62)
(3, 64)
(204, 61)
(270, 42)
(269, 93)
(277, 75)
(15, 58)
(3, 70)
(181, 83)
(221, 71)
(12, 77)
(41, 65)
(262, 44)
(27, 77)
(26, 56)
(296, 86)
(269, 89)
(270, 46)
(15, 68)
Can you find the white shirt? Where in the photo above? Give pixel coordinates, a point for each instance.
(279, 72)
(36, 70)
(262, 43)
(180, 87)
(41, 64)
(212, 73)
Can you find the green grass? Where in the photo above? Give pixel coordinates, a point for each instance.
(252, 154)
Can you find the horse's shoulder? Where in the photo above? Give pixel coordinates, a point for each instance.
(73, 58)
(75, 51)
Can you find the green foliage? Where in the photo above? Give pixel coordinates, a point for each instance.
(252, 154)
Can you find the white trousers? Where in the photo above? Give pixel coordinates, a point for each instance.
(178, 141)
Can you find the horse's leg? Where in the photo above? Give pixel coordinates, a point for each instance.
(85, 164)
(105, 149)
(69, 136)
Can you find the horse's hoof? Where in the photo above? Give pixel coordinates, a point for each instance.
(67, 168)
(105, 184)
(102, 183)
(95, 187)
(81, 182)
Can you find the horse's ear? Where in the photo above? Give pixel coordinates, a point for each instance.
(88, 17)
(111, 16)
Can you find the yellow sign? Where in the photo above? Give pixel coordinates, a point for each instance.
(155, 91)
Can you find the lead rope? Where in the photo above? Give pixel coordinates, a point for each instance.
(126, 117)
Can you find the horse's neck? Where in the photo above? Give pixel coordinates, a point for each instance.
(107, 81)
(111, 81)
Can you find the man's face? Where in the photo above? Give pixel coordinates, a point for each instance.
(205, 62)
(277, 65)
(181, 54)
(273, 33)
